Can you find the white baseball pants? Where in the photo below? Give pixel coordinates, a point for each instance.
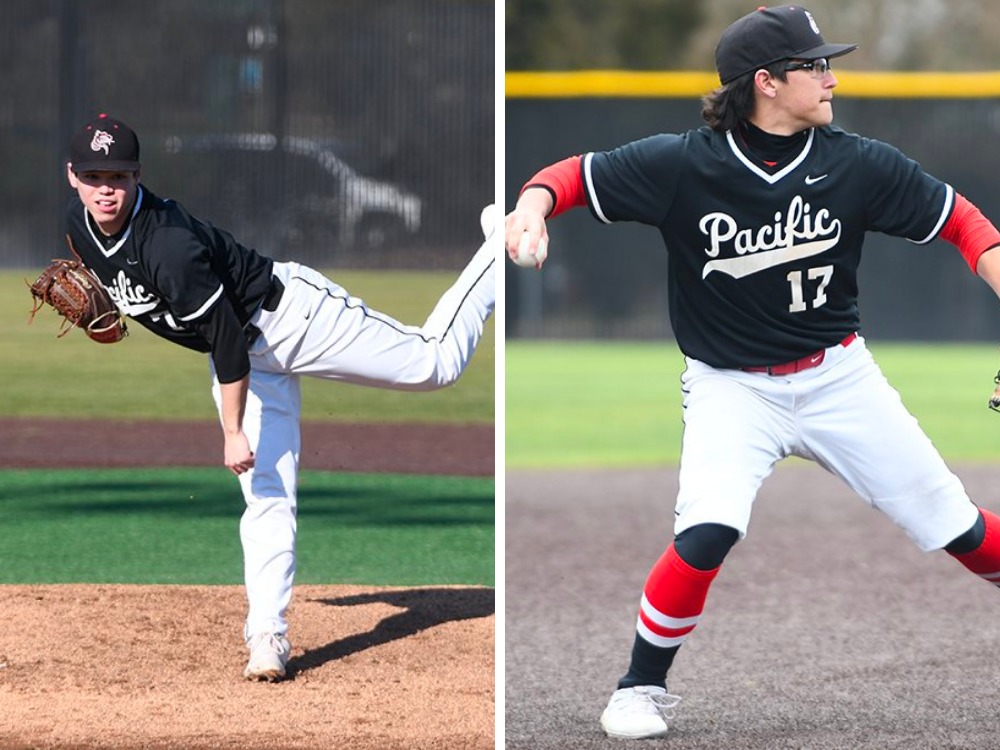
(319, 330)
(842, 414)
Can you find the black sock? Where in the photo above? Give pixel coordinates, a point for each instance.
(649, 664)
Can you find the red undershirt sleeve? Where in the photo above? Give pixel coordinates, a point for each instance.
(564, 183)
(971, 232)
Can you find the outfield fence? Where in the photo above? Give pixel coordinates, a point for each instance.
(610, 282)
(347, 133)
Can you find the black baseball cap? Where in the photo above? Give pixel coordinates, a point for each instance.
(104, 144)
(768, 35)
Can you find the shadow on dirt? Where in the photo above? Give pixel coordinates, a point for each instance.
(423, 609)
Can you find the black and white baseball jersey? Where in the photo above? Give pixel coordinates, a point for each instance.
(182, 278)
(763, 261)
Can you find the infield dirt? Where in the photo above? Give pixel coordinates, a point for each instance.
(160, 667)
(826, 629)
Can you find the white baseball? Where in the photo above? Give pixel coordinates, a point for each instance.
(529, 260)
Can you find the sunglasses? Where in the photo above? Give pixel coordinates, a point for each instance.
(818, 67)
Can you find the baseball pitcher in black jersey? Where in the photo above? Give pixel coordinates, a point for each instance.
(264, 325)
(763, 213)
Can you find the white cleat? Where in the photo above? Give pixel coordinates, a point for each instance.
(269, 654)
(640, 712)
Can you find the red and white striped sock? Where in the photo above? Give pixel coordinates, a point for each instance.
(672, 601)
(984, 560)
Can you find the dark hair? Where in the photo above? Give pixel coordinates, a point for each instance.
(725, 107)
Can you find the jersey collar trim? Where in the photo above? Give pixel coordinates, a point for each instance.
(771, 178)
(109, 251)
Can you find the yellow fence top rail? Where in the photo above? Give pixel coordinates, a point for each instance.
(584, 84)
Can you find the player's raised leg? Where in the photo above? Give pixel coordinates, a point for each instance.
(458, 318)
(346, 340)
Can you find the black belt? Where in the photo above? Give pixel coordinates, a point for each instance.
(271, 301)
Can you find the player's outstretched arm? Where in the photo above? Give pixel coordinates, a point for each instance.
(526, 223)
(554, 189)
(988, 268)
(976, 237)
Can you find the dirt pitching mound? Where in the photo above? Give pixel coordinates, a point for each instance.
(153, 667)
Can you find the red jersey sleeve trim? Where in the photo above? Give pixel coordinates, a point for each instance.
(971, 232)
(564, 182)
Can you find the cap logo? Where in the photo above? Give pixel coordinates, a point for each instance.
(812, 21)
(102, 142)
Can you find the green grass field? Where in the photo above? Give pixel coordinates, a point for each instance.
(619, 404)
(181, 526)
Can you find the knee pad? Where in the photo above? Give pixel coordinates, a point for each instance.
(705, 545)
(970, 540)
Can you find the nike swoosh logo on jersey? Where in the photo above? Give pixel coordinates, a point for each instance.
(810, 180)
(814, 360)
(131, 262)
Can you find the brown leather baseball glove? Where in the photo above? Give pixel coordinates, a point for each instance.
(77, 295)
